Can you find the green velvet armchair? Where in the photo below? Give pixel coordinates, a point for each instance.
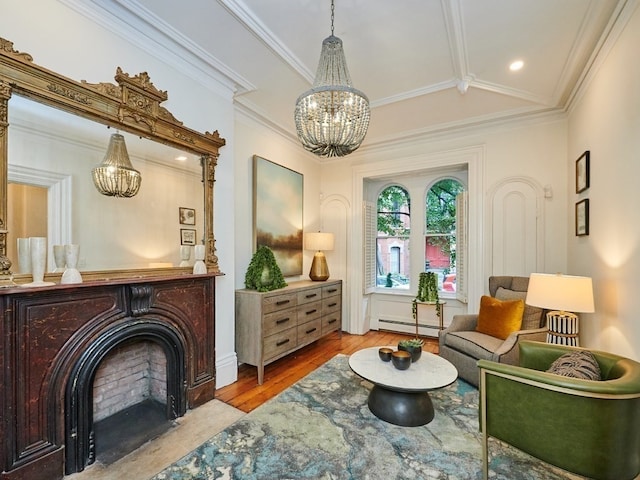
(591, 428)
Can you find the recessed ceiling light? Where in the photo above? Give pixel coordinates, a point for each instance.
(517, 65)
(181, 158)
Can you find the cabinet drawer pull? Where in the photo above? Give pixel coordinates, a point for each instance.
(332, 290)
(282, 320)
(282, 302)
(333, 304)
(309, 312)
(311, 331)
(333, 320)
(282, 342)
(311, 295)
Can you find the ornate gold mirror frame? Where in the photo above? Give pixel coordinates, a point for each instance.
(133, 105)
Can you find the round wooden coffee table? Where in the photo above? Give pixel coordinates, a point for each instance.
(401, 396)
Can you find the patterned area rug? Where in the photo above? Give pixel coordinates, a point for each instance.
(321, 428)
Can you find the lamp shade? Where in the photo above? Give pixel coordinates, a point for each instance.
(560, 292)
(318, 241)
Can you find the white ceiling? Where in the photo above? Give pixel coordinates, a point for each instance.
(426, 65)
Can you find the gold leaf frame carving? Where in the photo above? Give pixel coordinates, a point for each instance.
(133, 104)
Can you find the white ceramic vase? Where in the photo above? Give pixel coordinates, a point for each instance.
(71, 273)
(185, 255)
(38, 250)
(199, 266)
(24, 256)
(58, 258)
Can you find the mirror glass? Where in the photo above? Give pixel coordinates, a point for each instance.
(56, 151)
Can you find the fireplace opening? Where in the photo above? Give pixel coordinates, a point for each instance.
(126, 389)
(129, 400)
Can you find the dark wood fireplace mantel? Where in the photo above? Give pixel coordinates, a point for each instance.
(46, 332)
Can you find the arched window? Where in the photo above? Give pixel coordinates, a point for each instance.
(441, 231)
(392, 244)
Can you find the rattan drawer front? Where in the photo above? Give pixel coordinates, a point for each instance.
(310, 295)
(279, 302)
(278, 321)
(309, 312)
(279, 343)
(309, 332)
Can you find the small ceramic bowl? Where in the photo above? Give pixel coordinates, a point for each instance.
(401, 359)
(385, 354)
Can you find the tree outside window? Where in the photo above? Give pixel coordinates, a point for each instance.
(440, 238)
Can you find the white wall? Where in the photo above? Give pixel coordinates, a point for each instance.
(256, 139)
(63, 41)
(606, 121)
(533, 150)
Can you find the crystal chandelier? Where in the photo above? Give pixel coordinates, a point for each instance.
(115, 176)
(332, 118)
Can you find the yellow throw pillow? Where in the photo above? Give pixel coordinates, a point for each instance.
(499, 318)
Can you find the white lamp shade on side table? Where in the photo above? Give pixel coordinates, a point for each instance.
(562, 295)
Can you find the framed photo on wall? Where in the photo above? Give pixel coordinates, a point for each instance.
(582, 172)
(187, 216)
(277, 213)
(582, 217)
(187, 236)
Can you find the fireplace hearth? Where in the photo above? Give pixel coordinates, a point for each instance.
(54, 341)
(125, 431)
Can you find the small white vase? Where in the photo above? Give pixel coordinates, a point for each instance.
(24, 256)
(38, 249)
(199, 267)
(185, 255)
(71, 274)
(58, 258)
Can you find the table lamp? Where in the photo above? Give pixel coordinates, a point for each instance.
(319, 242)
(562, 295)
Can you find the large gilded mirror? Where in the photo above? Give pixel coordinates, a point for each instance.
(121, 236)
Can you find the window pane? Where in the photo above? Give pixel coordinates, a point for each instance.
(394, 225)
(393, 262)
(440, 240)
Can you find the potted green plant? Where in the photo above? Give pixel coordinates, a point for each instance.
(427, 292)
(263, 273)
(412, 346)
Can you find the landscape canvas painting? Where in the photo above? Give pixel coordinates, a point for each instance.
(277, 213)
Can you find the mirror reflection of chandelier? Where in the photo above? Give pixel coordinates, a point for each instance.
(333, 117)
(115, 176)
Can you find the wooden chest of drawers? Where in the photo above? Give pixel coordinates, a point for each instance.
(273, 324)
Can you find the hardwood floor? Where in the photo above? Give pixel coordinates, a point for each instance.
(246, 394)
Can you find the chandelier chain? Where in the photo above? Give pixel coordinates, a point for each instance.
(332, 16)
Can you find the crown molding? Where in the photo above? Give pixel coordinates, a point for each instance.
(472, 126)
(140, 27)
(245, 16)
(623, 13)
